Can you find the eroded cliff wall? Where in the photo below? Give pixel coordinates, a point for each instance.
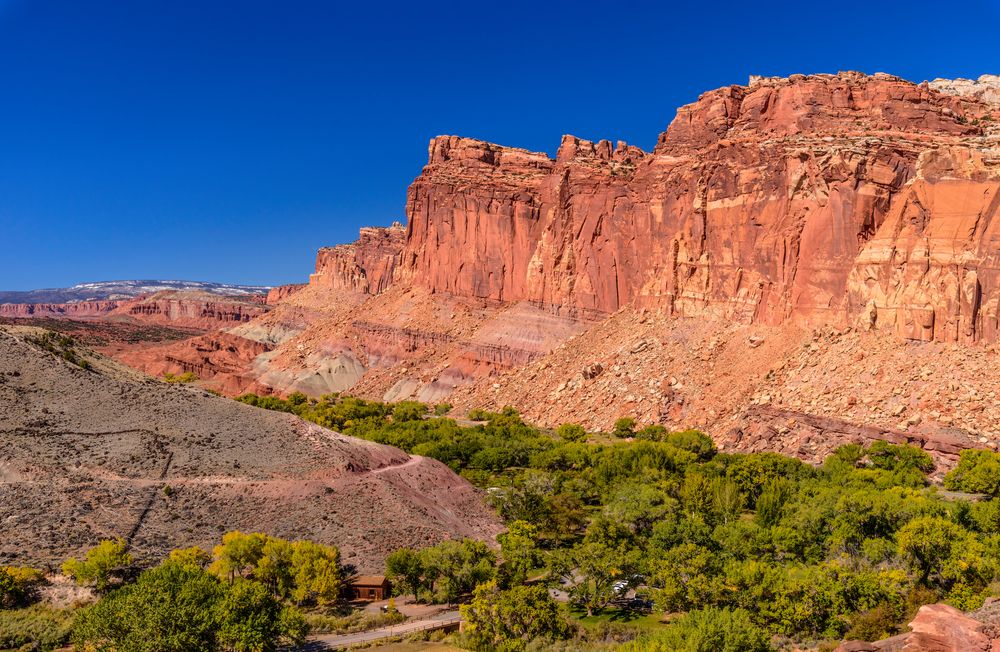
(365, 266)
(821, 199)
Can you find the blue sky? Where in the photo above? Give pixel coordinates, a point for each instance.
(227, 141)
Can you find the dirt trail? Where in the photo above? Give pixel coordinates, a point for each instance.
(413, 461)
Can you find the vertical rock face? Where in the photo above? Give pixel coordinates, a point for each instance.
(931, 272)
(365, 266)
(189, 309)
(278, 294)
(814, 199)
(192, 309)
(79, 309)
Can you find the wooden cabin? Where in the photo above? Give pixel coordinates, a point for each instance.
(369, 588)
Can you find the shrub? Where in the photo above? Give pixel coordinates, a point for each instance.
(654, 432)
(356, 621)
(874, 624)
(62, 346)
(181, 379)
(694, 441)
(18, 584)
(100, 564)
(624, 427)
(978, 471)
(707, 630)
(571, 432)
(38, 627)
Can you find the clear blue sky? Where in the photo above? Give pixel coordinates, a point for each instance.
(227, 141)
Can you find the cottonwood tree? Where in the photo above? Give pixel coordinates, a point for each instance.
(507, 621)
(520, 552)
(100, 564)
(405, 570)
(455, 568)
(594, 573)
(178, 607)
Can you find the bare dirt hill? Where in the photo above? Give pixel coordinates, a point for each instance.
(86, 455)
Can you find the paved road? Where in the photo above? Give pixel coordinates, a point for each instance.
(336, 641)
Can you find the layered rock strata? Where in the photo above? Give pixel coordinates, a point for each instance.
(201, 310)
(365, 266)
(818, 200)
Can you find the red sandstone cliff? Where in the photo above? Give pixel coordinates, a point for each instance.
(78, 310)
(365, 266)
(188, 309)
(193, 309)
(278, 294)
(782, 200)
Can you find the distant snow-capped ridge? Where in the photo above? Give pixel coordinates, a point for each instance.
(111, 290)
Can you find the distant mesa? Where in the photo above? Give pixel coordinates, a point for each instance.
(113, 290)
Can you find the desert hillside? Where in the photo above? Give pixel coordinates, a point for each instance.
(95, 453)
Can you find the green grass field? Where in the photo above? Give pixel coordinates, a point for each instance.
(622, 616)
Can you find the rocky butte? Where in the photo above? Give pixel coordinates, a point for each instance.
(786, 268)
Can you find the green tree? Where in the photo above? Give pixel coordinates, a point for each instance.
(405, 570)
(708, 630)
(274, 566)
(177, 607)
(316, 574)
(624, 428)
(571, 432)
(169, 609)
(654, 432)
(638, 506)
(17, 585)
(193, 556)
(238, 554)
(978, 471)
(409, 411)
(100, 564)
(686, 578)
(520, 552)
(772, 500)
(693, 441)
(727, 500)
(594, 574)
(251, 619)
(454, 568)
(927, 542)
(507, 621)
(894, 457)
